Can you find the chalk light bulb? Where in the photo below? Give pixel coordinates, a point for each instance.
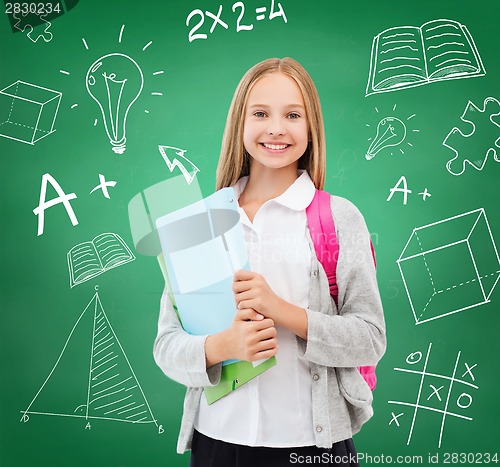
(115, 81)
(391, 131)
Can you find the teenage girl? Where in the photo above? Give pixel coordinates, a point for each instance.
(314, 400)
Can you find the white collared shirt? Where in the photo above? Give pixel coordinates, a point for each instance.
(275, 408)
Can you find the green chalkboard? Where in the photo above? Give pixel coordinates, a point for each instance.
(427, 186)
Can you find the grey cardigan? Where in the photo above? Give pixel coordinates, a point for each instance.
(338, 339)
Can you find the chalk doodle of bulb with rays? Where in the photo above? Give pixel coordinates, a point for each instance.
(115, 81)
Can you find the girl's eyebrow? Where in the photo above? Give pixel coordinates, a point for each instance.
(265, 106)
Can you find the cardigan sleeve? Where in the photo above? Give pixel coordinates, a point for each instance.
(181, 356)
(356, 335)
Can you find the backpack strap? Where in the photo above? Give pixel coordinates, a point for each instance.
(324, 237)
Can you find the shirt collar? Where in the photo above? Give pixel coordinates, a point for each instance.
(297, 196)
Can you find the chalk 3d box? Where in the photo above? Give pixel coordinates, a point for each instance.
(28, 112)
(450, 266)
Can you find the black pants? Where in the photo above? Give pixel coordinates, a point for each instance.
(208, 452)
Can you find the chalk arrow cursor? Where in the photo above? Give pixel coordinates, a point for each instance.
(174, 157)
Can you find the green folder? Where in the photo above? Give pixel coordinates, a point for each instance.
(233, 374)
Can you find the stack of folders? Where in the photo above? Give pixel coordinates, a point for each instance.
(202, 247)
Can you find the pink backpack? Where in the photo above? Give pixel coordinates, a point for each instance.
(322, 230)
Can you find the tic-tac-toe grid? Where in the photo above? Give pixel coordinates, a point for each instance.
(436, 392)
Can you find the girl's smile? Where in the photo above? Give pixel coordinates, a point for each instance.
(276, 147)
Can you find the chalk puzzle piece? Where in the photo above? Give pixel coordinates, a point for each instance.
(24, 26)
(483, 140)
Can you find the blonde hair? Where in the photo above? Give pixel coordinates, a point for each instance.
(234, 162)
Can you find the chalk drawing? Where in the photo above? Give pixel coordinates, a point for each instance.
(90, 259)
(450, 266)
(28, 112)
(115, 81)
(92, 378)
(174, 157)
(103, 185)
(448, 396)
(408, 56)
(46, 35)
(391, 132)
(481, 142)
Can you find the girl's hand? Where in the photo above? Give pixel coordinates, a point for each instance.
(251, 290)
(250, 337)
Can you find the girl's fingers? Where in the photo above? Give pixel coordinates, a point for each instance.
(254, 303)
(241, 286)
(247, 314)
(263, 324)
(265, 354)
(244, 275)
(263, 346)
(247, 295)
(267, 333)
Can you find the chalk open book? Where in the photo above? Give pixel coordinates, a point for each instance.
(89, 259)
(202, 247)
(408, 56)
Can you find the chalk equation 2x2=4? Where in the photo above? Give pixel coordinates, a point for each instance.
(275, 11)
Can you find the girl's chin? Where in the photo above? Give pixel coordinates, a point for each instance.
(274, 163)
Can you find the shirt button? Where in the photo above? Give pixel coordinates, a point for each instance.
(319, 429)
(315, 377)
(315, 273)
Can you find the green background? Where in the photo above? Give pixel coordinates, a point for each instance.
(333, 41)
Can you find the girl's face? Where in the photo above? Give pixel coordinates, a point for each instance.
(275, 132)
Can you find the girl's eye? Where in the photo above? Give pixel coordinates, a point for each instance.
(259, 114)
(293, 116)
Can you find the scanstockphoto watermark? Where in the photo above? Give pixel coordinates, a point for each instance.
(324, 458)
(327, 458)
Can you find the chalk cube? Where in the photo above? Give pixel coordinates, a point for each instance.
(28, 112)
(450, 266)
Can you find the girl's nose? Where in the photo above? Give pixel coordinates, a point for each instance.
(276, 127)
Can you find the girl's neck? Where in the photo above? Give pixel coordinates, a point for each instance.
(265, 184)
